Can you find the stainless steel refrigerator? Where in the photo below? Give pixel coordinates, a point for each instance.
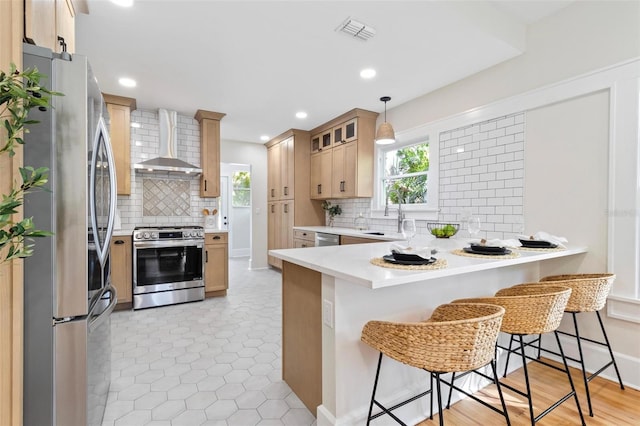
(68, 295)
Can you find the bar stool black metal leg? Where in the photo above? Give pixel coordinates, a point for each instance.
(606, 339)
(539, 345)
(526, 379)
(431, 396)
(375, 385)
(453, 377)
(495, 380)
(439, 396)
(581, 359)
(573, 388)
(506, 365)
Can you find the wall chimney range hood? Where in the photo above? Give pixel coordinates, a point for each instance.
(167, 161)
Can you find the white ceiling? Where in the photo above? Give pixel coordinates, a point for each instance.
(261, 61)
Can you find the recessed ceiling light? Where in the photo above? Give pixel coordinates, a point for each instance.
(301, 114)
(264, 138)
(127, 82)
(368, 73)
(123, 3)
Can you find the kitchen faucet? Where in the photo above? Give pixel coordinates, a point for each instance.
(400, 213)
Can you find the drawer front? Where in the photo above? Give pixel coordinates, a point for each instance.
(216, 238)
(304, 235)
(298, 243)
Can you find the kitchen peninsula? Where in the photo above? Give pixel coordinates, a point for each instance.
(329, 293)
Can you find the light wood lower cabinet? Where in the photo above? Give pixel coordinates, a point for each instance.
(280, 228)
(121, 270)
(303, 239)
(216, 269)
(347, 239)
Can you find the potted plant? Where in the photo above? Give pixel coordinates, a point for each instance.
(332, 210)
(19, 93)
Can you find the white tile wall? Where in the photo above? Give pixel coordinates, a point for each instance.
(482, 173)
(144, 145)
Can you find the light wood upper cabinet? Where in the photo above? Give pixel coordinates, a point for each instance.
(45, 20)
(321, 168)
(273, 172)
(121, 269)
(287, 169)
(209, 152)
(349, 169)
(346, 132)
(345, 163)
(119, 109)
(216, 269)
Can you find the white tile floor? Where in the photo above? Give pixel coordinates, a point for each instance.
(216, 362)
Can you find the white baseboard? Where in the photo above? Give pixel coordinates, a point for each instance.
(597, 356)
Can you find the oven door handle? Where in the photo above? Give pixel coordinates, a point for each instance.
(169, 243)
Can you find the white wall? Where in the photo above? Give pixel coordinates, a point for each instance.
(583, 37)
(256, 156)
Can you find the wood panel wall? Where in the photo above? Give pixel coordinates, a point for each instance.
(11, 274)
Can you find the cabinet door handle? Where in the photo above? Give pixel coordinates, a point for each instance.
(320, 189)
(206, 256)
(341, 186)
(286, 208)
(273, 192)
(286, 190)
(273, 208)
(205, 185)
(304, 246)
(304, 233)
(217, 237)
(118, 242)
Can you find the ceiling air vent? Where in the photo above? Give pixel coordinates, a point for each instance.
(356, 29)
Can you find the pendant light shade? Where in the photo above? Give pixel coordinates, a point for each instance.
(385, 134)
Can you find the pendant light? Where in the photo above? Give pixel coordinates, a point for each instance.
(385, 134)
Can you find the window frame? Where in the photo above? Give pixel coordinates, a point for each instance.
(426, 211)
(234, 189)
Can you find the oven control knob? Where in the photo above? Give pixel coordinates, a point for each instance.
(186, 234)
(154, 235)
(145, 235)
(200, 233)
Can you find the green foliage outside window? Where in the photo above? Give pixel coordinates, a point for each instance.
(405, 177)
(241, 196)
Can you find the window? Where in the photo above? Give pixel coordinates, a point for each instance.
(241, 196)
(405, 174)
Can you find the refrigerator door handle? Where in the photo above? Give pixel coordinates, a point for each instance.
(102, 247)
(96, 321)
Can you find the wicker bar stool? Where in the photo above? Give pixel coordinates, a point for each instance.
(588, 294)
(457, 337)
(531, 311)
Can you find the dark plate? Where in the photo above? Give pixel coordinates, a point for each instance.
(492, 249)
(487, 253)
(537, 244)
(406, 257)
(389, 258)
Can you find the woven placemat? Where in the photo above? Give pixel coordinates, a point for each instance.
(511, 255)
(538, 249)
(438, 264)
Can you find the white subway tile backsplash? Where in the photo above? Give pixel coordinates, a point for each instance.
(492, 187)
(145, 142)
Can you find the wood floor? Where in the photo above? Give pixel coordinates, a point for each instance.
(611, 405)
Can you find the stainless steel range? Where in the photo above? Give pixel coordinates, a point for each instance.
(168, 265)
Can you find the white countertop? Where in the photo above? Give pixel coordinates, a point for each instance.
(352, 262)
(388, 236)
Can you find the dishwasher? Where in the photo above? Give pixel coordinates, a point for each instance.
(324, 239)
